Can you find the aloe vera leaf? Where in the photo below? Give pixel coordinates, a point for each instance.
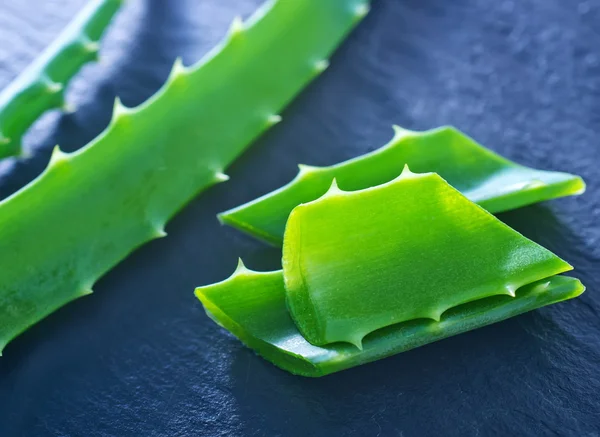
(411, 248)
(492, 181)
(42, 85)
(387, 269)
(252, 305)
(91, 208)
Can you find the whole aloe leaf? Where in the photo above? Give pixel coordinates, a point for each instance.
(91, 208)
(42, 85)
(486, 178)
(382, 270)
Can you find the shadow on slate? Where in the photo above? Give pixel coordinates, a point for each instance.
(140, 357)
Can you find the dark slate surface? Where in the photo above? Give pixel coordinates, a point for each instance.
(140, 358)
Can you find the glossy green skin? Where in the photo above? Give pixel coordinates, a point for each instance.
(252, 306)
(42, 85)
(412, 248)
(390, 268)
(486, 178)
(90, 209)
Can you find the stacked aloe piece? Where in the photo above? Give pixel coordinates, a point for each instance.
(378, 259)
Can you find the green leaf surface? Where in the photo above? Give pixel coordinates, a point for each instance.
(412, 248)
(252, 305)
(486, 178)
(91, 208)
(42, 85)
(370, 273)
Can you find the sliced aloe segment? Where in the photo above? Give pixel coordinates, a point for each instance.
(370, 273)
(252, 306)
(414, 247)
(486, 178)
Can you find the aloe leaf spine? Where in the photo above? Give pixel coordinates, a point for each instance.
(41, 86)
(483, 176)
(118, 192)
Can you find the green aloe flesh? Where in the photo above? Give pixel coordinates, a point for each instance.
(373, 272)
(252, 305)
(486, 178)
(42, 85)
(412, 248)
(91, 208)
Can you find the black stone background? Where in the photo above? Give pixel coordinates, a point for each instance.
(140, 358)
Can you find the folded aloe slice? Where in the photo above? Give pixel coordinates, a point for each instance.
(486, 178)
(91, 208)
(42, 85)
(377, 271)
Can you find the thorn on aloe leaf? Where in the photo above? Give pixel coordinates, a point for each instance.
(159, 232)
(68, 108)
(306, 170)
(400, 132)
(406, 173)
(120, 111)
(178, 70)
(274, 119)
(436, 314)
(91, 49)
(334, 189)
(321, 66)
(511, 290)
(357, 340)
(361, 10)
(236, 28)
(540, 288)
(86, 291)
(221, 177)
(241, 268)
(58, 157)
(53, 88)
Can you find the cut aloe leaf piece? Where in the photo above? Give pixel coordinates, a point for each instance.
(373, 272)
(252, 306)
(486, 178)
(412, 248)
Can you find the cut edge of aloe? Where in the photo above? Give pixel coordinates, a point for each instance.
(252, 306)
